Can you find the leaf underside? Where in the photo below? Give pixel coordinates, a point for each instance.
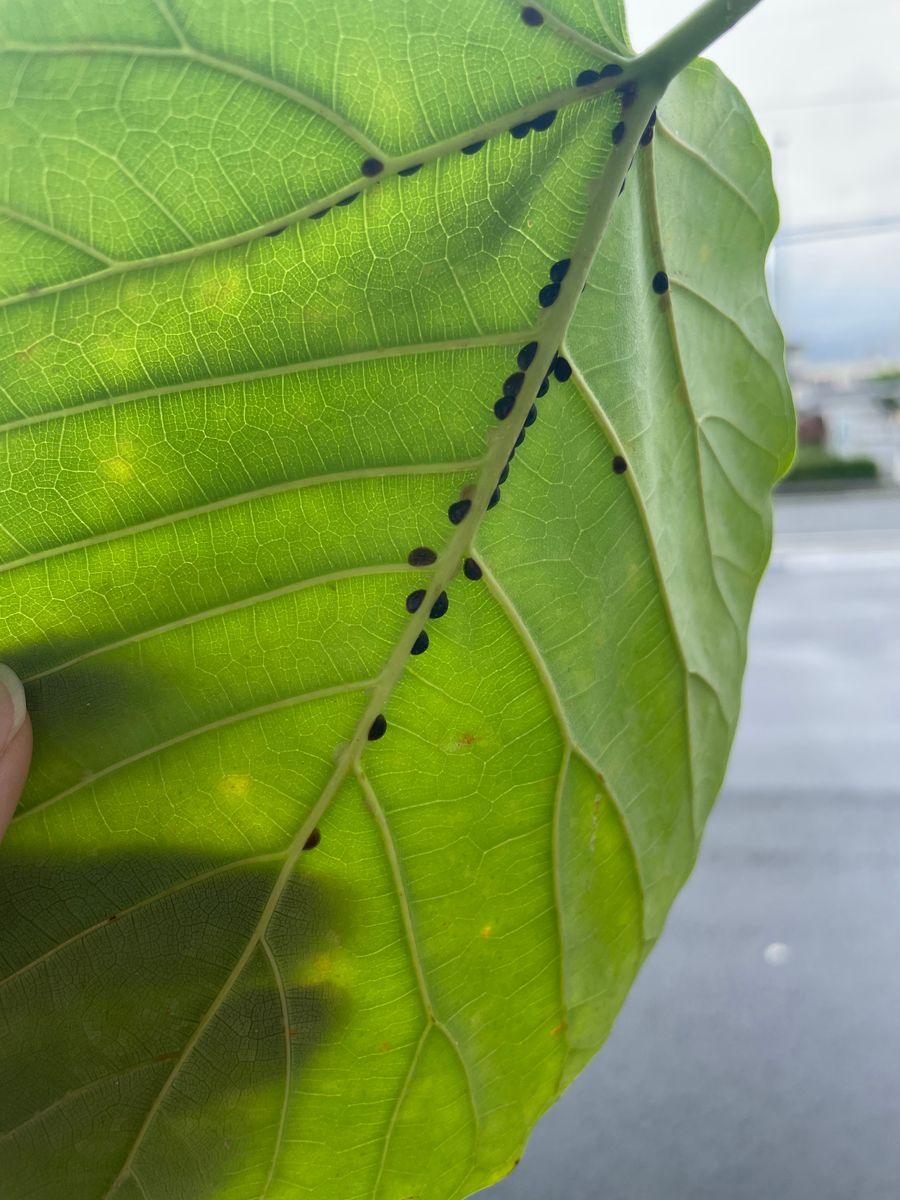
(219, 449)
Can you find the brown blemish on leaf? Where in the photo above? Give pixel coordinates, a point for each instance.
(385, 1047)
(594, 817)
(158, 1058)
(560, 1028)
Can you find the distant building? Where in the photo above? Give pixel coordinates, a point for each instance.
(856, 407)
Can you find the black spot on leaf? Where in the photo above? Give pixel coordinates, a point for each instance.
(647, 136)
(660, 283)
(410, 170)
(504, 475)
(503, 407)
(348, 199)
(588, 77)
(371, 167)
(562, 368)
(495, 498)
(521, 130)
(618, 132)
(377, 728)
(532, 416)
(458, 511)
(519, 440)
(526, 355)
(414, 600)
(439, 607)
(545, 387)
(531, 16)
(422, 556)
(420, 645)
(317, 216)
(619, 465)
(512, 384)
(276, 232)
(473, 148)
(559, 269)
(471, 569)
(314, 838)
(547, 295)
(544, 121)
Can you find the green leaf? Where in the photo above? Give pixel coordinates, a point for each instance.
(225, 426)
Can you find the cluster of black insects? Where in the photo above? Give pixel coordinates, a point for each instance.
(371, 167)
(560, 369)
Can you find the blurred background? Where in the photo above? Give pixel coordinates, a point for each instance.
(759, 1053)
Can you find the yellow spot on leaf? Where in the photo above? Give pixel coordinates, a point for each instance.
(117, 470)
(236, 786)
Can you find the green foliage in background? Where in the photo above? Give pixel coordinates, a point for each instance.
(246, 953)
(814, 465)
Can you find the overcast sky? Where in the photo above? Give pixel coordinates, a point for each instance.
(823, 78)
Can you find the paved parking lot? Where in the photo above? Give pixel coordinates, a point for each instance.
(758, 1057)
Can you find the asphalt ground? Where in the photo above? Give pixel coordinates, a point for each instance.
(758, 1056)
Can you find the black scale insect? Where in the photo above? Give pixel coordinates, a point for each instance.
(512, 384)
(313, 840)
(458, 511)
(372, 167)
(627, 92)
(471, 569)
(525, 357)
(619, 465)
(422, 556)
(377, 728)
(537, 124)
(660, 283)
(532, 17)
(548, 294)
(586, 78)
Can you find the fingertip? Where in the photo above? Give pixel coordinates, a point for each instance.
(15, 760)
(13, 708)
